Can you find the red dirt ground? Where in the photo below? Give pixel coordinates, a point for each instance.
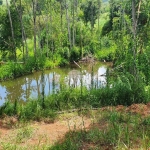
(50, 133)
(45, 133)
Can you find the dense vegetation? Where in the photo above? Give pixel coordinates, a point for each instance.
(47, 33)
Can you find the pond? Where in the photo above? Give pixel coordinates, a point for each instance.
(31, 86)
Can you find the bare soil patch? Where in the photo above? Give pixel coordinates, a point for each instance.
(49, 133)
(44, 133)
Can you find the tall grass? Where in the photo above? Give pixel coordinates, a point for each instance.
(120, 93)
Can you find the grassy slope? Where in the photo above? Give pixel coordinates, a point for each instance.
(118, 128)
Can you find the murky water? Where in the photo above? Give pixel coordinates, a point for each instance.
(30, 86)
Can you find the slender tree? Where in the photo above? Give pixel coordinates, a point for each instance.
(24, 37)
(12, 31)
(34, 5)
(134, 32)
(68, 24)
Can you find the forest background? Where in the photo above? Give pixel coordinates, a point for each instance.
(37, 35)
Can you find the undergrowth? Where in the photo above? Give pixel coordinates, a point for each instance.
(74, 98)
(113, 130)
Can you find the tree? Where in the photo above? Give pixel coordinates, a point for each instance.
(34, 7)
(24, 37)
(68, 23)
(1, 2)
(91, 12)
(10, 30)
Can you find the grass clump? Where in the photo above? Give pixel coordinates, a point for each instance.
(23, 134)
(32, 110)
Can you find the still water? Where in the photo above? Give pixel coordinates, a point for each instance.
(30, 86)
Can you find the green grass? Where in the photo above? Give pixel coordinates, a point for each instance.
(113, 130)
(23, 134)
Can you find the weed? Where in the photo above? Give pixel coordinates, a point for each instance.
(24, 133)
(8, 146)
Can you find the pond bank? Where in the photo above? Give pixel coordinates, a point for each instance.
(30, 86)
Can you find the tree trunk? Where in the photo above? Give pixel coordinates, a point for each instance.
(51, 32)
(68, 24)
(73, 31)
(134, 33)
(43, 89)
(61, 14)
(24, 39)
(61, 20)
(99, 6)
(12, 32)
(34, 4)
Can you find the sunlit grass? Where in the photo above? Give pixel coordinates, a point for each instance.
(113, 130)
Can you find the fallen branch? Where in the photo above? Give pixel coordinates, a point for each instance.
(75, 110)
(2, 62)
(77, 64)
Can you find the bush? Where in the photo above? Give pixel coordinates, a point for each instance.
(11, 70)
(74, 54)
(30, 64)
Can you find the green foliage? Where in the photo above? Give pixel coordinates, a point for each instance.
(143, 60)
(90, 10)
(30, 64)
(40, 62)
(72, 141)
(1, 2)
(52, 34)
(6, 37)
(6, 72)
(65, 53)
(146, 121)
(106, 28)
(33, 110)
(48, 64)
(53, 50)
(7, 108)
(104, 1)
(107, 54)
(75, 54)
(11, 70)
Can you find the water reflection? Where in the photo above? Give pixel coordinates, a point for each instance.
(31, 86)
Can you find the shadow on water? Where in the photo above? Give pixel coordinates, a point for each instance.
(47, 82)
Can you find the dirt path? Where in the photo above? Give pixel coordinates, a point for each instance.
(43, 133)
(55, 131)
